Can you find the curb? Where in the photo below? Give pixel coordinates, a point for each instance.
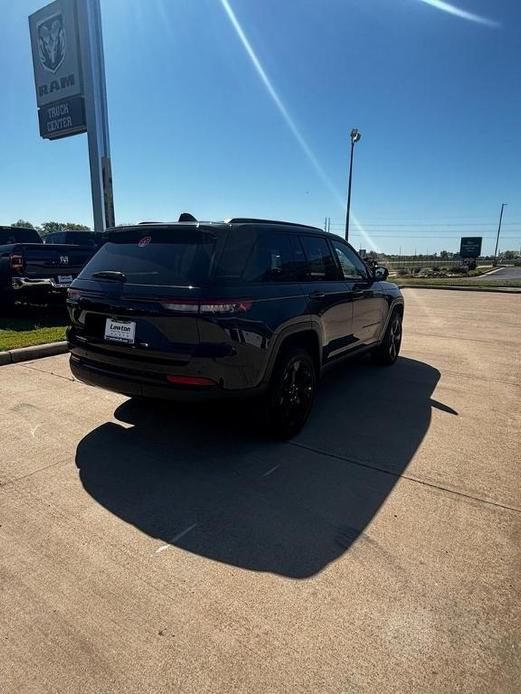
(500, 290)
(13, 356)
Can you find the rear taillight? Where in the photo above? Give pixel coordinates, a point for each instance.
(73, 293)
(191, 381)
(17, 262)
(208, 306)
(181, 305)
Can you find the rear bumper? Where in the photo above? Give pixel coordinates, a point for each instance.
(148, 385)
(45, 284)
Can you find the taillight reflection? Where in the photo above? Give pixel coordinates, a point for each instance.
(208, 306)
(191, 381)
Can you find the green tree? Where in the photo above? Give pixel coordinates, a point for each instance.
(49, 227)
(23, 223)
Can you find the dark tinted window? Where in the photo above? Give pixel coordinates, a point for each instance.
(80, 238)
(272, 259)
(171, 256)
(238, 248)
(352, 267)
(320, 262)
(19, 235)
(55, 237)
(77, 238)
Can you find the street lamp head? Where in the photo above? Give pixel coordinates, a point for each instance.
(355, 135)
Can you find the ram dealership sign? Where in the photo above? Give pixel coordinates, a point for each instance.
(57, 69)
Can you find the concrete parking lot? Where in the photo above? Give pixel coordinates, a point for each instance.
(150, 550)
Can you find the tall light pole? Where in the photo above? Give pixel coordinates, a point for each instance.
(355, 136)
(503, 205)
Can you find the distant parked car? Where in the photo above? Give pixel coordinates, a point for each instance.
(76, 238)
(230, 309)
(31, 270)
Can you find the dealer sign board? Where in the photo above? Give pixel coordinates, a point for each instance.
(470, 246)
(62, 118)
(57, 69)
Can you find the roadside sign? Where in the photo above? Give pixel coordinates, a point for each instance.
(69, 77)
(470, 246)
(56, 52)
(62, 118)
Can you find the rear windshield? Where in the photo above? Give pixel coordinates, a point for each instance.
(170, 256)
(80, 238)
(76, 238)
(19, 236)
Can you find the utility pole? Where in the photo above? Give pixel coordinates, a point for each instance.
(503, 205)
(355, 137)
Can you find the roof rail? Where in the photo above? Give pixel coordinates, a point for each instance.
(163, 223)
(251, 220)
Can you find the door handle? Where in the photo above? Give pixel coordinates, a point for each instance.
(317, 295)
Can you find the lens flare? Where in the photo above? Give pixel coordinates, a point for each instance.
(463, 14)
(288, 119)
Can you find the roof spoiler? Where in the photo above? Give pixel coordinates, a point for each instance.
(186, 217)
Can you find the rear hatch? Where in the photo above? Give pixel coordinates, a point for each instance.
(53, 261)
(138, 298)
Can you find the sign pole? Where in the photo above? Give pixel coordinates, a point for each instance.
(503, 205)
(93, 68)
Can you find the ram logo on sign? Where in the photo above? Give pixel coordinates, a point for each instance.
(51, 42)
(57, 74)
(56, 52)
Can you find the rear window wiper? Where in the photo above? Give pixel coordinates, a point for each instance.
(110, 275)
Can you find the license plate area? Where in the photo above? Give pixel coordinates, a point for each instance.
(64, 280)
(120, 331)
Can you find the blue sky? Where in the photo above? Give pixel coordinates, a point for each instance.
(243, 107)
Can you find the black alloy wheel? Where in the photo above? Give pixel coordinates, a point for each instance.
(387, 352)
(291, 394)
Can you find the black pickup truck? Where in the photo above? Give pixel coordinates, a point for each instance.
(31, 270)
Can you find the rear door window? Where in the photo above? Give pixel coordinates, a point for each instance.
(157, 256)
(321, 265)
(272, 259)
(238, 248)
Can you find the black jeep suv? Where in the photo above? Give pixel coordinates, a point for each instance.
(197, 310)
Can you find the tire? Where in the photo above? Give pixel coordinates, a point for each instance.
(291, 393)
(387, 352)
(6, 301)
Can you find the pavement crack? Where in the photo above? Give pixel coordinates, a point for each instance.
(410, 478)
(10, 482)
(455, 337)
(44, 371)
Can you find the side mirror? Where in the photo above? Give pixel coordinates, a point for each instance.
(381, 274)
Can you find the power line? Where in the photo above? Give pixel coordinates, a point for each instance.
(467, 216)
(444, 238)
(434, 224)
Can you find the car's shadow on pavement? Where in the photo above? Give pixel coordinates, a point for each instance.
(204, 479)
